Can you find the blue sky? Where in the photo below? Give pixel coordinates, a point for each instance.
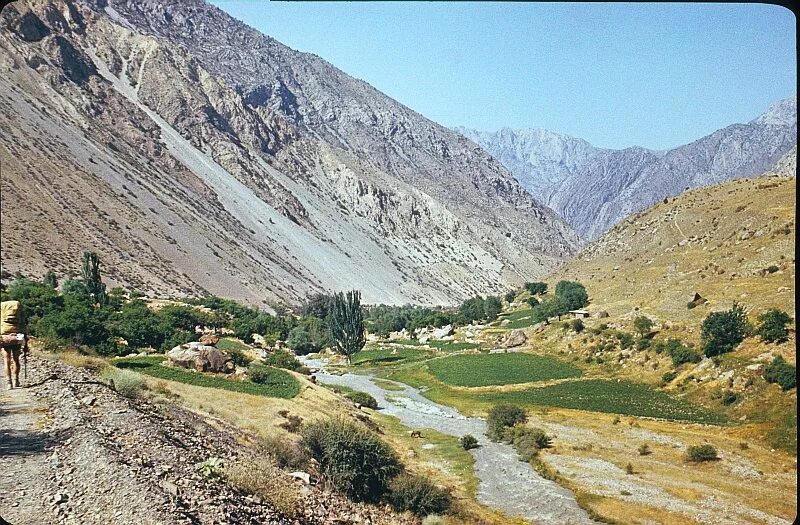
(617, 75)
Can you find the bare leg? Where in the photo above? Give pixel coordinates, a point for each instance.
(15, 354)
(7, 366)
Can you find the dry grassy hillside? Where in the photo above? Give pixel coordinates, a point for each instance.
(718, 241)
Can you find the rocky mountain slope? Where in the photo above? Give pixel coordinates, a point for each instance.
(195, 154)
(594, 188)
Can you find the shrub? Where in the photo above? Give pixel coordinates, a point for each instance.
(501, 417)
(683, 354)
(125, 383)
(772, 268)
(468, 442)
(300, 341)
(533, 302)
(644, 449)
(238, 357)
(691, 305)
(668, 377)
(353, 459)
(643, 325)
(418, 495)
(283, 359)
(643, 344)
(260, 477)
(211, 467)
(363, 399)
(625, 340)
(782, 373)
(729, 398)
(721, 332)
(509, 297)
(698, 453)
(772, 327)
(577, 325)
(629, 469)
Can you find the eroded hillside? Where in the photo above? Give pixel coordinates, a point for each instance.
(145, 133)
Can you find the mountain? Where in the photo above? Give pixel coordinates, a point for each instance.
(594, 188)
(195, 154)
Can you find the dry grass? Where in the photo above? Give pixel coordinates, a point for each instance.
(665, 487)
(261, 477)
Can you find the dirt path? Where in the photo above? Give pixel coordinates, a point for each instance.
(73, 451)
(506, 483)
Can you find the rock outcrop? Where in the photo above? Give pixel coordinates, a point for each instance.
(205, 156)
(200, 357)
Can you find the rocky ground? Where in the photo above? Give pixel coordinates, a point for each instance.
(73, 451)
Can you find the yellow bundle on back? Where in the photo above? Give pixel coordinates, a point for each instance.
(11, 320)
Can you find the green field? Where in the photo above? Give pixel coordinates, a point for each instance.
(385, 356)
(499, 369)
(451, 346)
(280, 383)
(616, 397)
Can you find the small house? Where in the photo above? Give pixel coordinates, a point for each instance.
(579, 314)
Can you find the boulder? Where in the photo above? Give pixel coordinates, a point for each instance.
(423, 340)
(505, 322)
(602, 314)
(200, 357)
(443, 331)
(209, 339)
(515, 338)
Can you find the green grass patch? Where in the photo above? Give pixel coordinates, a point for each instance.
(499, 369)
(385, 356)
(279, 384)
(616, 397)
(228, 344)
(452, 346)
(388, 385)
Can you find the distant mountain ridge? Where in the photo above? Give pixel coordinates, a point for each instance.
(594, 188)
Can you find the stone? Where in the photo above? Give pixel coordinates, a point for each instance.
(88, 400)
(423, 340)
(602, 314)
(209, 339)
(505, 322)
(515, 338)
(305, 477)
(443, 331)
(200, 357)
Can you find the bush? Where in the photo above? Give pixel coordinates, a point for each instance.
(772, 327)
(643, 344)
(287, 453)
(353, 459)
(625, 340)
(721, 332)
(300, 341)
(468, 442)
(629, 469)
(527, 441)
(700, 453)
(238, 357)
(125, 383)
(510, 296)
(418, 495)
(363, 399)
(643, 325)
(262, 375)
(668, 377)
(577, 325)
(683, 354)
(283, 359)
(533, 302)
(644, 449)
(501, 417)
(729, 398)
(782, 373)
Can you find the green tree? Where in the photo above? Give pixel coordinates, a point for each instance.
(509, 297)
(300, 341)
(533, 302)
(492, 306)
(781, 372)
(138, 325)
(536, 288)
(573, 293)
(721, 332)
(772, 327)
(92, 279)
(347, 323)
(50, 279)
(37, 299)
(643, 325)
(471, 310)
(318, 305)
